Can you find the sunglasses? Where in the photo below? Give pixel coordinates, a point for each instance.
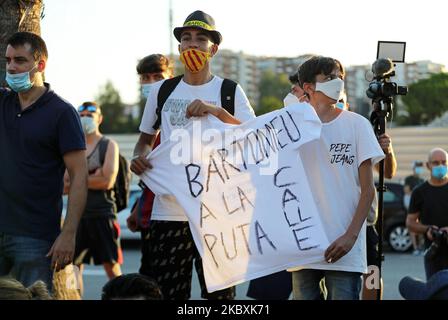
(88, 108)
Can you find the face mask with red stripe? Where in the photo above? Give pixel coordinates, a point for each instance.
(194, 60)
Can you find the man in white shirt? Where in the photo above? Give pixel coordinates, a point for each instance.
(173, 249)
(339, 169)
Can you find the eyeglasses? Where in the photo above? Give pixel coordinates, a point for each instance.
(88, 108)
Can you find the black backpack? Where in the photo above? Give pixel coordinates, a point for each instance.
(228, 88)
(122, 183)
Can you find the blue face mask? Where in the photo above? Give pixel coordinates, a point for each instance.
(340, 105)
(419, 170)
(439, 172)
(146, 89)
(88, 125)
(19, 82)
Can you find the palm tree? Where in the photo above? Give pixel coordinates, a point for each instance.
(17, 15)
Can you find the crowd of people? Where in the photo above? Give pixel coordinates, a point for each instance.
(48, 148)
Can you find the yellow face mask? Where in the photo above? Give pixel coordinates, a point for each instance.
(194, 60)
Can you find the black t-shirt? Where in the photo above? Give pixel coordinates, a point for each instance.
(432, 204)
(413, 181)
(32, 145)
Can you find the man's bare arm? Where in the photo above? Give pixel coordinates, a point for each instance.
(63, 249)
(390, 162)
(104, 178)
(143, 146)
(341, 246)
(414, 225)
(199, 108)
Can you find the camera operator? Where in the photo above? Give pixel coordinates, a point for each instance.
(428, 210)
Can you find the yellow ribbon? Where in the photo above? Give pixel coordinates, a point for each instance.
(196, 23)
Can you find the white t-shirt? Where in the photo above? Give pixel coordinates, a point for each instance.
(166, 207)
(245, 193)
(331, 164)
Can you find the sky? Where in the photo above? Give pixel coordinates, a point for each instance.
(93, 41)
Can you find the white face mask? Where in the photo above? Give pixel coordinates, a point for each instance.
(88, 125)
(290, 99)
(146, 89)
(333, 89)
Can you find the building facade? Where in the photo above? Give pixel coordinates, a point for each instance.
(248, 69)
(358, 78)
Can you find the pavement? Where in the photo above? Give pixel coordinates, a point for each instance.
(395, 267)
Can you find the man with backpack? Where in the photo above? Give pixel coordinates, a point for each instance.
(97, 239)
(151, 69)
(170, 102)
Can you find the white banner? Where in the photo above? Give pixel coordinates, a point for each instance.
(245, 193)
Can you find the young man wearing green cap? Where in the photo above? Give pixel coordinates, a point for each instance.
(196, 93)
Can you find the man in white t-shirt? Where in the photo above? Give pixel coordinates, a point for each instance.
(173, 249)
(339, 169)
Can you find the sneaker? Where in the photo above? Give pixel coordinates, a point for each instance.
(416, 252)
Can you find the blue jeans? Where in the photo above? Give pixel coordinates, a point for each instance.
(25, 259)
(339, 285)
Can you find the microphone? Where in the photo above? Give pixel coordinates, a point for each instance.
(382, 67)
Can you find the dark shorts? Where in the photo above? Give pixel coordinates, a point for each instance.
(171, 252)
(97, 241)
(372, 241)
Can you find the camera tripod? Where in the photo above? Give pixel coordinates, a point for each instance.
(381, 108)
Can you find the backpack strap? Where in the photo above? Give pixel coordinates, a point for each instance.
(102, 144)
(165, 90)
(228, 90)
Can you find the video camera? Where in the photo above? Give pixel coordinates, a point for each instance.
(381, 88)
(439, 245)
(440, 237)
